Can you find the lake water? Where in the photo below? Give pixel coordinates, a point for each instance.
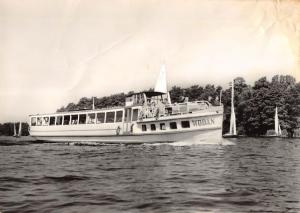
(241, 175)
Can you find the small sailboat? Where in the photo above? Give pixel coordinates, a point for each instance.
(161, 84)
(277, 125)
(20, 130)
(277, 129)
(15, 131)
(232, 128)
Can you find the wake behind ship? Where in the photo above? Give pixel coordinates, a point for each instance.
(147, 117)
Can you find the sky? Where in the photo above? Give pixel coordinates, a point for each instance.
(56, 51)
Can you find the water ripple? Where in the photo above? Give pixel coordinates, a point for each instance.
(253, 175)
(65, 178)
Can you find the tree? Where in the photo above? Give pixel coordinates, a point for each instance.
(176, 93)
(194, 92)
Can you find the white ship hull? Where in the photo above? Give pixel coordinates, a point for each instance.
(211, 135)
(205, 126)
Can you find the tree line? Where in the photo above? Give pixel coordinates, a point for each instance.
(7, 129)
(254, 105)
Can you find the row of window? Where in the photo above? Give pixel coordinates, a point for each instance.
(162, 126)
(89, 118)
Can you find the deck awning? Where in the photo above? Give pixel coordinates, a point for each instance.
(148, 94)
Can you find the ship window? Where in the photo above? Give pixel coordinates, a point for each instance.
(45, 121)
(135, 114)
(110, 117)
(173, 125)
(82, 118)
(119, 116)
(67, 119)
(185, 124)
(100, 117)
(144, 128)
(91, 118)
(74, 119)
(33, 121)
(59, 120)
(162, 126)
(39, 121)
(153, 127)
(52, 120)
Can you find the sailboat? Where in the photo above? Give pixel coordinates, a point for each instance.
(277, 129)
(232, 128)
(277, 125)
(20, 130)
(161, 83)
(15, 131)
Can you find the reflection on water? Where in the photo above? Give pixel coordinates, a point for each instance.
(238, 175)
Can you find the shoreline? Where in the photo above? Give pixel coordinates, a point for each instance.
(10, 140)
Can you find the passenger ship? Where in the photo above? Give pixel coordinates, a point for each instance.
(147, 117)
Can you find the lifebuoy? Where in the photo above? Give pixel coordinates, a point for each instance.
(118, 130)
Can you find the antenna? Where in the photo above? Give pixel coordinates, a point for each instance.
(220, 97)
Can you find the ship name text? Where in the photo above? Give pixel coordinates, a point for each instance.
(203, 122)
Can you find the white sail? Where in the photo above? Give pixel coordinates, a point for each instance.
(20, 129)
(161, 83)
(232, 123)
(276, 121)
(277, 125)
(15, 131)
(232, 130)
(279, 129)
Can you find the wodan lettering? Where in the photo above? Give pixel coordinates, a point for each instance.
(203, 122)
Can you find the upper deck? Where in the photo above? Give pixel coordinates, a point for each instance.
(139, 107)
